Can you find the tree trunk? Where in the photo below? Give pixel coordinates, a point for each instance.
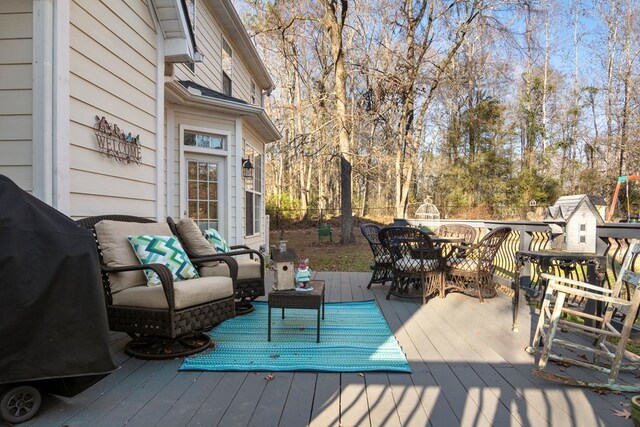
(334, 20)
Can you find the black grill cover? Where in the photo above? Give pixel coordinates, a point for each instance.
(53, 320)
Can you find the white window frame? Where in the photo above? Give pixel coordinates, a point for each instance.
(191, 66)
(222, 155)
(254, 93)
(260, 208)
(229, 74)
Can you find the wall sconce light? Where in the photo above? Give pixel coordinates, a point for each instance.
(247, 169)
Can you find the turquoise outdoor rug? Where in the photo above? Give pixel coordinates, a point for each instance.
(354, 337)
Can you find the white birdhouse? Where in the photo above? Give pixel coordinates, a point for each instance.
(284, 265)
(572, 222)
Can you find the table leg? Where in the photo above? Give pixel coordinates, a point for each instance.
(283, 313)
(318, 326)
(592, 306)
(515, 304)
(516, 298)
(269, 327)
(323, 305)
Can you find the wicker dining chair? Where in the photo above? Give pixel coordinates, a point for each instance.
(415, 262)
(469, 268)
(381, 257)
(463, 231)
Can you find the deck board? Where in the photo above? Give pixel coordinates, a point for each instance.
(468, 368)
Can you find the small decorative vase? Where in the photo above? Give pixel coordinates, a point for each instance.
(635, 410)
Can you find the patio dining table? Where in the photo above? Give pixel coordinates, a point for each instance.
(546, 261)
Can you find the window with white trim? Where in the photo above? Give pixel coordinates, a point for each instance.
(253, 193)
(191, 15)
(253, 93)
(227, 68)
(205, 140)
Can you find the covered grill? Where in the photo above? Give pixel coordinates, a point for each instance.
(53, 322)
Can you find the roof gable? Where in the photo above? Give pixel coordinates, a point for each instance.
(566, 206)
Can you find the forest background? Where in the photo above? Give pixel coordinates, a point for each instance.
(480, 105)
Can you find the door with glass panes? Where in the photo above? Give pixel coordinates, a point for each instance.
(204, 190)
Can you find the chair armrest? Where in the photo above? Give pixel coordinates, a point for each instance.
(165, 275)
(589, 286)
(251, 253)
(231, 263)
(242, 250)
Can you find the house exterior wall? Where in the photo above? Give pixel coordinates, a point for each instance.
(209, 72)
(16, 75)
(113, 64)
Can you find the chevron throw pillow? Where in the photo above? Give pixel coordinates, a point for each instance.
(216, 240)
(163, 250)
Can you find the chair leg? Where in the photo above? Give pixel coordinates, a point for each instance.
(624, 338)
(553, 324)
(479, 284)
(543, 310)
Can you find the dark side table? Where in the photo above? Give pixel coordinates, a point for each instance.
(311, 300)
(546, 261)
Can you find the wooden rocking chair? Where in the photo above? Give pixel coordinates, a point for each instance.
(556, 313)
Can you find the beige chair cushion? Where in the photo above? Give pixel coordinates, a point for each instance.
(187, 293)
(194, 242)
(117, 251)
(247, 269)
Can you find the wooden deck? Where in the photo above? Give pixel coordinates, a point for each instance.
(468, 369)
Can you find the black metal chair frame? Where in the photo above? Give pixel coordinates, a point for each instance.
(416, 262)
(469, 268)
(162, 333)
(248, 289)
(382, 266)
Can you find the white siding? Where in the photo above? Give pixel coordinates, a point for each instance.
(113, 54)
(209, 71)
(16, 47)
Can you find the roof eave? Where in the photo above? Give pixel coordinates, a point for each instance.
(255, 116)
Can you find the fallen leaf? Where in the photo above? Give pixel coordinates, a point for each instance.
(275, 356)
(624, 413)
(361, 374)
(268, 377)
(583, 356)
(563, 363)
(601, 390)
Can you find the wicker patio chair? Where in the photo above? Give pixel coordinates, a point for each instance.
(164, 321)
(381, 257)
(463, 231)
(251, 267)
(556, 313)
(469, 268)
(415, 262)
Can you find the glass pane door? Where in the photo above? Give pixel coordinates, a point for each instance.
(202, 193)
